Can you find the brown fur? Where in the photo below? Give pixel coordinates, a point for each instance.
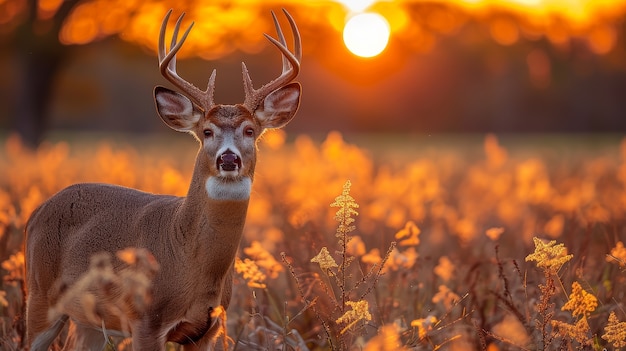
(194, 238)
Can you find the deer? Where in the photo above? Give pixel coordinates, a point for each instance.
(194, 238)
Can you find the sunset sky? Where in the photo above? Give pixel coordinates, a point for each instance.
(455, 64)
(508, 20)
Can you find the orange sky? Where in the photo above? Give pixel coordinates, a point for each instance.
(218, 30)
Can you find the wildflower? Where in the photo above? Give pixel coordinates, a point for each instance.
(219, 315)
(347, 205)
(372, 257)
(356, 246)
(496, 154)
(263, 259)
(554, 227)
(359, 311)
(324, 259)
(7, 210)
(101, 278)
(409, 234)
(580, 302)
(274, 139)
(465, 229)
(15, 267)
(548, 255)
(513, 330)
(250, 272)
(29, 202)
(445, 269)
(136, 279)
(424, 325)
(445, 296)
(615, 331)
(139, 258)
(579, 331)
(388, 339)
(494, 233)
(3, 298)
(618, 254)
(405, 259)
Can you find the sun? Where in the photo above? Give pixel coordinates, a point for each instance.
(366, 34)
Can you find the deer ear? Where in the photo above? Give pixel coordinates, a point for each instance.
(176, 110)
(279, 107)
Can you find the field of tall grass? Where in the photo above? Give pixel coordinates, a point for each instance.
(424, 244)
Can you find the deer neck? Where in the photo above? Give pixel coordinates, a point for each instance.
(208, 221)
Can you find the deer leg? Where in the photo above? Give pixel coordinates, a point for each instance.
(44, 339)
(86, 338)
(40, 333)
(146, 337)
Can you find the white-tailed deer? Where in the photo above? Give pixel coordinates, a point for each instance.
(194, 238)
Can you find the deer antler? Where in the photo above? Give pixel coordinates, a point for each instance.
(167, 65)
(291, 65)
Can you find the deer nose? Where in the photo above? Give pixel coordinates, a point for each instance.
(229, 161)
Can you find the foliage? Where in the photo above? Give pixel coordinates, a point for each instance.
(346, 293)
(504, 248)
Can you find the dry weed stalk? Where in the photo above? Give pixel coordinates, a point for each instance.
(351, 311)
(550, 257)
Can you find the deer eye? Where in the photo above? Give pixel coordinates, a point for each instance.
(208, 133)
(249, 132)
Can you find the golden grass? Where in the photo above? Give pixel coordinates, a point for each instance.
(502, 249)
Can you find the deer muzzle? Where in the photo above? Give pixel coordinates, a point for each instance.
(229, 161)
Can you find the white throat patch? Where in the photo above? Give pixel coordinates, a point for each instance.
(219, 189)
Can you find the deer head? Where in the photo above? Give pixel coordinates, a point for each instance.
(228, 133)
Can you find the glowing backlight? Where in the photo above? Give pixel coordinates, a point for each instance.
(415, 25)
(366, 34)
(357, 5)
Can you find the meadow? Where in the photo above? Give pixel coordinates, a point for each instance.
(423, 243)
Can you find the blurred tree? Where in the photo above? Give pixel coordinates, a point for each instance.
(561, 67)
(42, 33)
(39, 54)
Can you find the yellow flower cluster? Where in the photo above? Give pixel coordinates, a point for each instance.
(3, 298)
(324, 259)
(409, 235)
(424, 325)
(263, 259)
(618, 254)
(494, 233)
(388, 339)
(615, 331)
(580, 302)
(549, 256)
(15, 267)
(445, 269)
(251, 273)
(347, 205)
(446, 296)
(578, 331)
(360, 311)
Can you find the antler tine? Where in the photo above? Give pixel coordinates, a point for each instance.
(290, 61)
(167, 65)
(281, 38)
(296, 40)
